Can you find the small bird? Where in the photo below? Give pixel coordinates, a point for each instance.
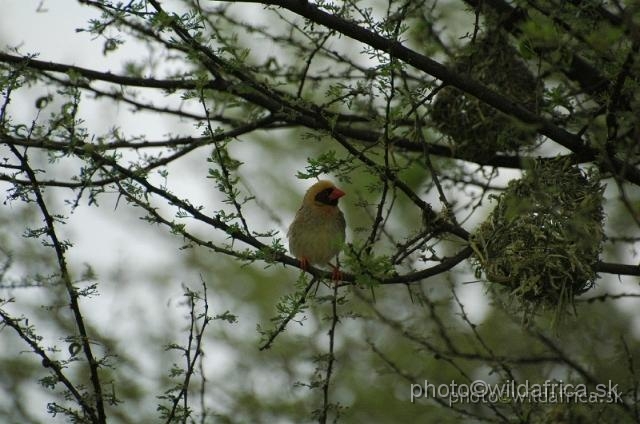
(317, 232)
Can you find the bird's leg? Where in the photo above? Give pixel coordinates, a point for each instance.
(336, 274)
(304, 263)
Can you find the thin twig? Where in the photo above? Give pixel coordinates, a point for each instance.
(326, 405)
(193, 350)
(296, 308)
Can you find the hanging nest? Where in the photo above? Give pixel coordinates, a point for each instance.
(478, 131)
(544, 236)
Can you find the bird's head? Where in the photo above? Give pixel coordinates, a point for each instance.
(323, 193)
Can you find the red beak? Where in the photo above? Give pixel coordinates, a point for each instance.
(336, 194)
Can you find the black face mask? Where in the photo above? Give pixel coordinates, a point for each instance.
(324, 197)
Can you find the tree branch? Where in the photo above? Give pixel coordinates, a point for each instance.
(463, 82)
(71, 290)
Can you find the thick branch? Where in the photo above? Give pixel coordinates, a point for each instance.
(344, 122)
(91, 74)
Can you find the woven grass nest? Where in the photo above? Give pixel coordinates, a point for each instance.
(477, 130)
(544, 236)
